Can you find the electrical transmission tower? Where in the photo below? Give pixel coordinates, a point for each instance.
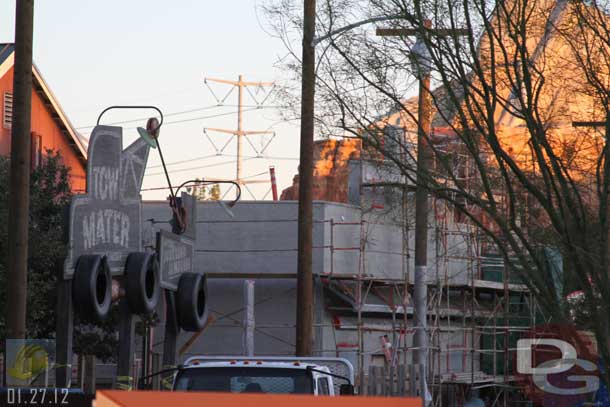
(240, 133)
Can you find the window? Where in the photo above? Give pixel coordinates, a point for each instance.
(36, 150)
(240, 379)
(323, 386)
(7, 110)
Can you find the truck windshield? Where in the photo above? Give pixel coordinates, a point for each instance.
(241, 379)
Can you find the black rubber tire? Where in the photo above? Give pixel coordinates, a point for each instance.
(142, 286)
(92, 287)
(191, 301)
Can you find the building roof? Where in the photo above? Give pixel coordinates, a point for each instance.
(444, 110)
(7, 59)
(5, 51)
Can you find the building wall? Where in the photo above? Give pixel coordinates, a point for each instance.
(44, 125)
(261, 241)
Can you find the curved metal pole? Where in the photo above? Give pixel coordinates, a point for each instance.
(204, 182)
(169, 183)
(131, 107)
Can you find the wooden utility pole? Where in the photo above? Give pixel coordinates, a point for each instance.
(19, 187)
(424, 156)
(304, 256)
(605, 187)
(240, 133)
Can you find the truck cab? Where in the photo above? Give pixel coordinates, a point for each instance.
(287, 376)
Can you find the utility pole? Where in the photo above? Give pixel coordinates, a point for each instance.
(304, 257)
(424, 156)
(19, 184)
(239, 133)
(605, 187)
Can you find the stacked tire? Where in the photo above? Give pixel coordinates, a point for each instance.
(191, 301)
(142, 285)
(92, 285)
(92, 290)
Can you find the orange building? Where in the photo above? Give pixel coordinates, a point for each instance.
(51, 129)
(331, 170)
(564, 95)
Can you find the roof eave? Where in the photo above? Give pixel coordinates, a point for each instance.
(60, 113)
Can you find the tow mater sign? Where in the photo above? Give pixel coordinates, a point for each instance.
(106, 220)
(106, 262)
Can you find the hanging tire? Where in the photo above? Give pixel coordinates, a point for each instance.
(191, 301)
(142, 285)
(91, 287)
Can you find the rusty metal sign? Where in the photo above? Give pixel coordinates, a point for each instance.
(176, 255)
(107, 219)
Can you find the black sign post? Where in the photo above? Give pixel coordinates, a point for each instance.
(176, 256)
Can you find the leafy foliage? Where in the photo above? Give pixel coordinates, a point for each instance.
(204, 191)
(49, 198)
(49, 195)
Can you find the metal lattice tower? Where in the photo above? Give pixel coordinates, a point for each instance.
(240, 133)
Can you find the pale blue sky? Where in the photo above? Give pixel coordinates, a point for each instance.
(94, 54)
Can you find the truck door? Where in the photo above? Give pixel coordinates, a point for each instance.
(323, 386)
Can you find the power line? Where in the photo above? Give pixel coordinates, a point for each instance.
(205, 157)
(184, 161)
(203, 181)
(201, 117)
(143, 119)
(201, 167)
(255, 175)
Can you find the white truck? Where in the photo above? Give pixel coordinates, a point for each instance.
(271, 375)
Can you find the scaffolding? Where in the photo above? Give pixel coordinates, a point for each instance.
(476, 309)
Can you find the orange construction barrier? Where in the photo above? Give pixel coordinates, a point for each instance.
(117, 398)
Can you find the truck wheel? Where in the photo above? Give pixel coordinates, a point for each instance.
(142, 282)
(191, 301)
(91, 286)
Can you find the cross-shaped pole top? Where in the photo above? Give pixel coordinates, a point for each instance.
(403, 32)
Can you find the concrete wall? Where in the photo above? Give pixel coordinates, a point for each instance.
(261, 241)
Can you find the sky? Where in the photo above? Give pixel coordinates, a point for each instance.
(95, 54)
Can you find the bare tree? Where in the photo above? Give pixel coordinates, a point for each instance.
(505, 97)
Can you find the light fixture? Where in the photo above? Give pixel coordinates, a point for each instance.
(151, 132)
